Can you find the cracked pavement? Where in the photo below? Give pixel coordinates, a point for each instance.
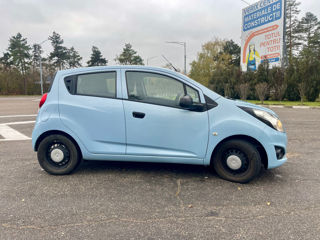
(112, 200)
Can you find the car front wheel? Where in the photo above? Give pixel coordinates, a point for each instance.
(58, 155)
(237, 161)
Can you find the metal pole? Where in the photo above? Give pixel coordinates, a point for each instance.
(41, 81)
(185, 58)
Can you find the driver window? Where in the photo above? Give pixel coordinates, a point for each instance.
(154, 88)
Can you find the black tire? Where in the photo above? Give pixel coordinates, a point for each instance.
(243, 150)
(71, 156)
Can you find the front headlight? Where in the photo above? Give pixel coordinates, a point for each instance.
(266, 117)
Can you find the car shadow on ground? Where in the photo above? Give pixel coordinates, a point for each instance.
(134, 167)
(158, 169)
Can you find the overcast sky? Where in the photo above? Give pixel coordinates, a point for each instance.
(146, 24)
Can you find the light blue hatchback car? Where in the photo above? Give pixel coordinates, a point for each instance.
(147, 114)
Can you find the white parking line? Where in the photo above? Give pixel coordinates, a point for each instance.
(10, 134)
(16, 98)
(15, 116)
(17, 123)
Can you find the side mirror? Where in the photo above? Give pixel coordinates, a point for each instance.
(186, 102)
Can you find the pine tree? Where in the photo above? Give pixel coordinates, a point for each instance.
(6, 61)
(96, 58)
(59, 55)
(6, 64)
(309, 62)
(234, 50)
(19, 51)
(129, 56)
(308, 28)
(292, 22)
(73, 58)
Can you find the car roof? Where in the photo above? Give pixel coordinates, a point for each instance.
(206, 91)
(101, 68)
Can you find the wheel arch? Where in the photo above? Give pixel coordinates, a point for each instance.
(255, 142)
(51, 132)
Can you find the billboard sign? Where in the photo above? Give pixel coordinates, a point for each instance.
(262, 34)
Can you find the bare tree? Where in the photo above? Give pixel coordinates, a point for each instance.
(278, 83)
(244, 90)
(227, 90)
(279, 91)
(302, 91)
(262, 90)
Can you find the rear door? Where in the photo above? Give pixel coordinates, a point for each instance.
(90, 105)
(155, 124)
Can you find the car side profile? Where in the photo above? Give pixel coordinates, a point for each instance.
(148, 114)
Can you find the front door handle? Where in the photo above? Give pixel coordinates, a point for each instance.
(138, 114)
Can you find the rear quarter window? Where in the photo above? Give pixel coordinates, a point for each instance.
(92, 84)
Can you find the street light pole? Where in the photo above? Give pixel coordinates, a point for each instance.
(185, 58)
(184, 44)
(40, 59)
(41, 81)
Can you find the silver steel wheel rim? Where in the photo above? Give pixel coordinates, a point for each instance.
(57, 155)
(234, 162)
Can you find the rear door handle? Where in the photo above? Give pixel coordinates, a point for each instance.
(138, 114)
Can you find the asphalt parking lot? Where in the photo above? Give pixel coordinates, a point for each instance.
(110, 200)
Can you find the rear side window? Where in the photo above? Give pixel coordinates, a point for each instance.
(93, 84)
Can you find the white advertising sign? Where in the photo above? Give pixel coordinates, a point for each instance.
(262, 34)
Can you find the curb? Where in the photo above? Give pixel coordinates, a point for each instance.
(282, 106)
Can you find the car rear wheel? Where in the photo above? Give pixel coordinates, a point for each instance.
(58, 155)
(237, 161)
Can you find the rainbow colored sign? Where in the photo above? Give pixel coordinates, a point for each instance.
(262, 34)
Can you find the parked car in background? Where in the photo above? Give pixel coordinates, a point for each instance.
(147, 114)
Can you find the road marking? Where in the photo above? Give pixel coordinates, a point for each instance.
(17, 123)
(10, 134)
(14, 116)
(12, 140)
(17, 98)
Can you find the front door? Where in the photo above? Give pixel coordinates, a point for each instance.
(156, 125)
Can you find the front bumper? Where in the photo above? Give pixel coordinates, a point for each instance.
(278, 139)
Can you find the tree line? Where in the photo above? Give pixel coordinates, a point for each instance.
(218, 65)
(19, 65)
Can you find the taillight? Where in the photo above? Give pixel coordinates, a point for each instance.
(43, 100)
